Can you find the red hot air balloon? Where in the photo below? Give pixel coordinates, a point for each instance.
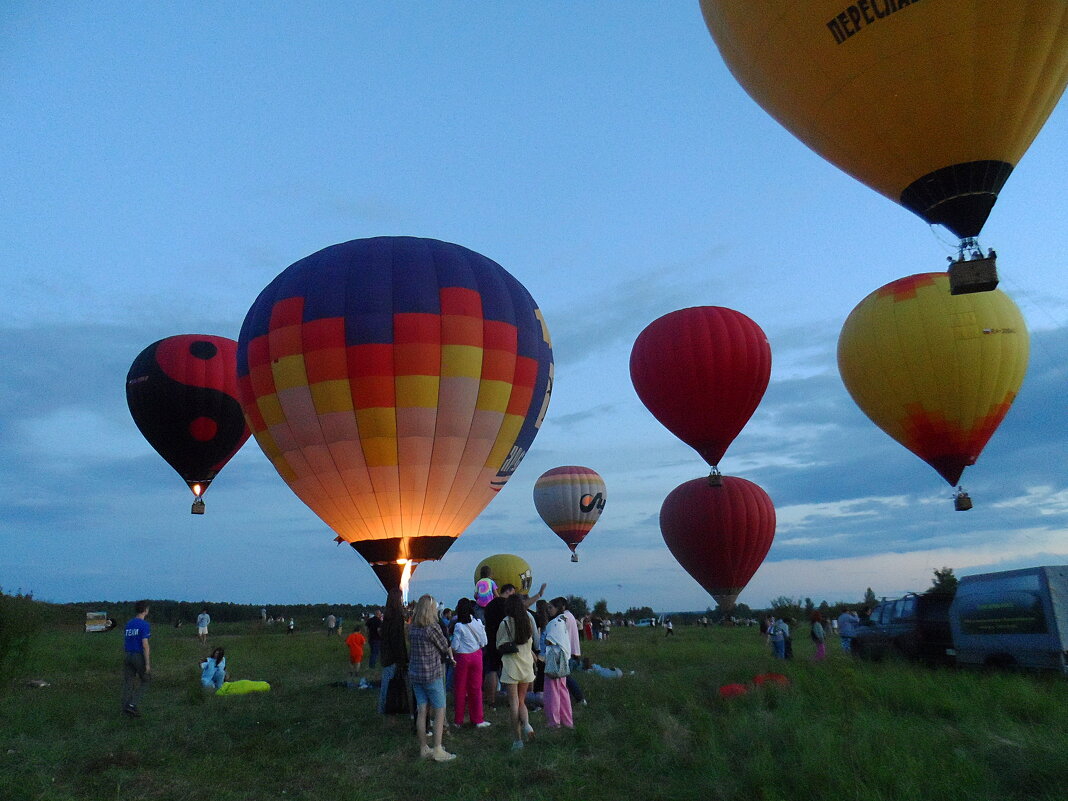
(395, 383)
(182, 393)
(570, 500)
(701, 372)
(720, 535)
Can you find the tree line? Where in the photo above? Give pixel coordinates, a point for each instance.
(169, 611)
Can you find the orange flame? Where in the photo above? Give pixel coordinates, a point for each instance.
(197, 490)
(406, 576)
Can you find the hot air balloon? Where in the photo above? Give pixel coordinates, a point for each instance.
(935, 371)
(182, 393)
(570, 500)
(507, 568)
(395, 383)
(931, 104)
(701, 372)
(720, 535)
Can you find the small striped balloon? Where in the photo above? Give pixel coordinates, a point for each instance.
(570, 500)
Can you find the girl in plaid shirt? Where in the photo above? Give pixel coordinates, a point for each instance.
(428, 650)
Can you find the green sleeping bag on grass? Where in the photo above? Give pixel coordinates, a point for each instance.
(242, 687)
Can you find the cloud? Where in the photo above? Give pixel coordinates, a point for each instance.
(575, 419)
(600, 318)
(1044, 501)
(894, 573)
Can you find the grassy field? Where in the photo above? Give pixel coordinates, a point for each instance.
(841, 730)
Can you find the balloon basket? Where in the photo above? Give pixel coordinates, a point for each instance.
(198, 507)
(962, 502)
(977, 274)
(715, 478)
(574, 557)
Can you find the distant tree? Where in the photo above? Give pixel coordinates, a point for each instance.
(639, 613)
(945, 583)
(825, 608)
(20, 623)
(577, 605)
(786, 607)
(600, 609)
(809, 606)
(869, 597)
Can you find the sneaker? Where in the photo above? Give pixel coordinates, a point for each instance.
(425, 752)
(528, 730)
(483, 725)
(441, 755)
(131, 710)
(517, 745)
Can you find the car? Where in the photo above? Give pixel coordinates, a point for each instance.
(915, 626)
(646, 621)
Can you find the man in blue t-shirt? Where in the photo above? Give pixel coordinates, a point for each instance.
(137, 663)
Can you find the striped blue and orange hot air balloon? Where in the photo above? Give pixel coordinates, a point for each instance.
(395, 383)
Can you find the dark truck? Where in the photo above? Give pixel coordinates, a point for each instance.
(916, 627)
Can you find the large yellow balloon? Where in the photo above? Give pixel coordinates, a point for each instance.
(932, 104)
(935, 371)
(507, 568)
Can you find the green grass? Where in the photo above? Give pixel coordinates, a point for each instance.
(841, 730)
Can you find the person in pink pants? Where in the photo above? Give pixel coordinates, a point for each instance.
(557, 700)
(468, 640)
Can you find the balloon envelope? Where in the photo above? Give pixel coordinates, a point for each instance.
(395, 383)
(935, 371)
(570, 500)
(182, 394)
(932, 104)
(507, 568)
(720, 535)
(702, 372)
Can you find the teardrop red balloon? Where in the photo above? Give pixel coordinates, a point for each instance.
(182, 394)
(702, 372)
(720, 535)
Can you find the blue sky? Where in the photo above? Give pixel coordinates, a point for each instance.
(163, 164)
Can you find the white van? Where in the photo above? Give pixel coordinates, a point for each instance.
(1013, 618)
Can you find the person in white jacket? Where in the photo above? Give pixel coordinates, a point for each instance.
(557, 701)
(468, 640)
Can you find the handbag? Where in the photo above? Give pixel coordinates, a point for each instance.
(508, 648)
(557, 663)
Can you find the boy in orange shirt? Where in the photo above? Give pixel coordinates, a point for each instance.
(355, 642)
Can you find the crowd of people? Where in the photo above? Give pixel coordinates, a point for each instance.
(776, 629)
(496, 648)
